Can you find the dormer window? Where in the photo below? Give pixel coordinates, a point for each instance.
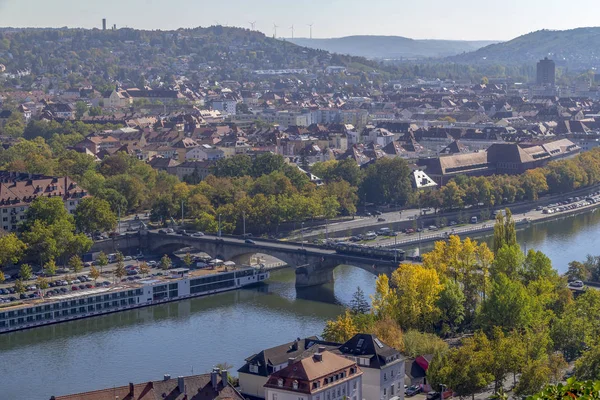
(280, 382)
(295, 385)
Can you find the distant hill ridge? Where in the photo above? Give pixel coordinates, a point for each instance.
(394, 47)
(576, 48)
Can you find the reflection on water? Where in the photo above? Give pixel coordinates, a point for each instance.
(193, 335)
(173, 338)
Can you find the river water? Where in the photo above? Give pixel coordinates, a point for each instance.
(191, 336)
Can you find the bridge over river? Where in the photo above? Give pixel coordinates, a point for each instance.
(314, 264)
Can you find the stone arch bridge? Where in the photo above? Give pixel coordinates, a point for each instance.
(314, 265)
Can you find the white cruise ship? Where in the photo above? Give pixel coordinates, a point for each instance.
(181, 284)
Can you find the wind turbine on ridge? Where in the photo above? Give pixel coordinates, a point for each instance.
(310, 25)
(275, 31)
(252, 24)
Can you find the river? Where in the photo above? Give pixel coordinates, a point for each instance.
(193, 335)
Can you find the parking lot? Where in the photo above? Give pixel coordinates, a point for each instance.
(66, 282)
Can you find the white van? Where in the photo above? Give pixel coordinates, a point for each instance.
(473, 220)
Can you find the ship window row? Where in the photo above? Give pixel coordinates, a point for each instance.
(66, 313)
(211, 279)
(243, 274)
(158, 289)
(212, 286)
(69, 304)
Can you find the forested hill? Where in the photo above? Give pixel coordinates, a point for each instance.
(391, 47)
(576, 48)
(229, 51)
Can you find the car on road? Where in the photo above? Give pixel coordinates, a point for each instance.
(433, 228)
(74, 287)
(576, 284)
(197, 234)
(434, 396)
(453, 223)
(151, 263)
(378, 213)
(249, 241)
(381, 219)
(412, 390)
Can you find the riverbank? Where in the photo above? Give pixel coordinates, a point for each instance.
(521, 221)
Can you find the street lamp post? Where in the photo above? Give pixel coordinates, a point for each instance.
(219, 233)
(244, 222)
(182, 212)
(302, 233)
(326, 229)
(395, 249)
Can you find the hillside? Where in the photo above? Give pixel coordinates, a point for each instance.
(215, 53)
(576, 48)
(391, 47)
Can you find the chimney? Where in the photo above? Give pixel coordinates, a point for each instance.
(318, 357)
(180, 384)
(166, 377)
(213, 378)
(224, 377)
(131, 390)
(291, 360)
(322, 349)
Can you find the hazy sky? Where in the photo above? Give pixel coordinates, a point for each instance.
(420, 19)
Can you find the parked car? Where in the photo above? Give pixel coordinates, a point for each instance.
(434, 396)
(197, 234)
(381, 219)
(413, 390)
(576, 284)
(249, 241)
(378, 213)
(151, 263)
(127, 258)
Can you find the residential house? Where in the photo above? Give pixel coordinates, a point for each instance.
(96, 143)
(18, 190)
(212, 386)
(193, 169)
(322, 376)
(255, 373)
(203, 153)
(382, 366)
(117, 98)
(183, 146)
(164, 164)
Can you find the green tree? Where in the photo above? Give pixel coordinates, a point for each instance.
(577, 271)
(2, 277)
(48, 210)
(465, 369)
(50, 268)
(102, 260)
(76, 264)
(535, 376)
(93, 214)
(80, 109)
(42, 283)
(507, 306)
(419, 343)
(20, 286)
(499, 233)
(451, 305)
(359, 304)
(387, 181)
(588, 366)
(187, 260)
(165, 262)
(25, 272)
(11, 249)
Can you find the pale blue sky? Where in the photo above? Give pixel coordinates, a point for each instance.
(421, 19)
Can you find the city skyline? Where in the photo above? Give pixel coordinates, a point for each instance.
(433, 19)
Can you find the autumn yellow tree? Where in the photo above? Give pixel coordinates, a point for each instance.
(485, 258)
(389, 332)
(418, 290)
(436, 259)
(340, 330)
(384, 302)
